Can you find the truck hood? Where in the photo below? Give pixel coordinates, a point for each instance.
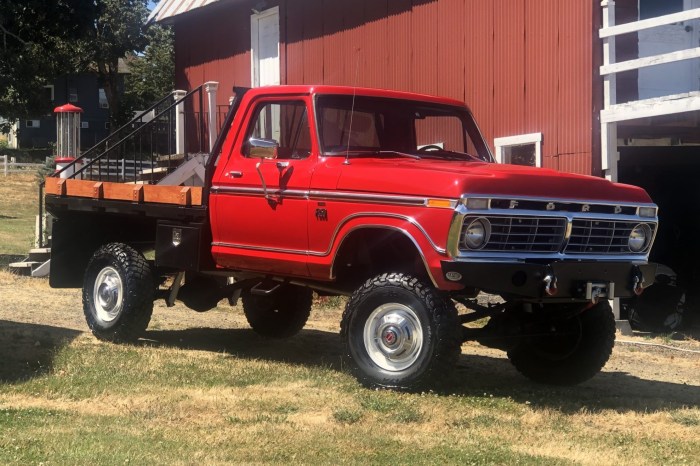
(449, 179)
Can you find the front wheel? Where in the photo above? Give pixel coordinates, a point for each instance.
(566, 351)
(118, 293)
(399, 334)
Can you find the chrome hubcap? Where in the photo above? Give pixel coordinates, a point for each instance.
(108, 294)
(393, 337)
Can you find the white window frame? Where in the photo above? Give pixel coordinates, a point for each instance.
(53, 94)
(32, 124)
(103, 103)
(519, 140)
(255, 43)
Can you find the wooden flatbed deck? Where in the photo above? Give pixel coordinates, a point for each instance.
(186, 196)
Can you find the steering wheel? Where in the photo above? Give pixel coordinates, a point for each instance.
(431, 148)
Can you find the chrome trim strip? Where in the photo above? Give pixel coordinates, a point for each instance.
(556, 199)
(259, 248)
(333, 196)
(569, 257)
(359, 197)
(288, 193)
(410, 220)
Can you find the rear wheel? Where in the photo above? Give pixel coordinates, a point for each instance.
(567, 351)
(399, 334)
(281, 314)
(118, 293)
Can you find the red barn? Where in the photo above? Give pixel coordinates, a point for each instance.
(523, 66)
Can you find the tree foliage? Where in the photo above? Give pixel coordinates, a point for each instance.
(118, 30)
(152, 75)
(43, 39)
(36, 45)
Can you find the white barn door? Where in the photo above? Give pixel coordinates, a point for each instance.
(265, 48)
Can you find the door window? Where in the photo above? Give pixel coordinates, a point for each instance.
(285, 124)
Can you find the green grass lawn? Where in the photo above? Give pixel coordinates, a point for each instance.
(96, 403)
(18, 209)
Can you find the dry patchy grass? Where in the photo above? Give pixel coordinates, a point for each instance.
(18, 208)
(202, 388)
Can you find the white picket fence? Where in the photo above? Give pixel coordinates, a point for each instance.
(10, 165)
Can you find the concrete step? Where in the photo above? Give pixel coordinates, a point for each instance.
(40, 254)
(23, 268)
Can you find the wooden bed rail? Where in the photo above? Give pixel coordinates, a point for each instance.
(186, 196)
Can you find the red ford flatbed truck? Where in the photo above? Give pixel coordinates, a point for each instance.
(390, 198)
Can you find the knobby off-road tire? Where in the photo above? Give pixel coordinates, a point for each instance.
(281, 314)
(399, 334)
(576, 350)
(118, 293)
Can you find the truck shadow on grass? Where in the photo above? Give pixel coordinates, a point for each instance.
(476, 375)
(27, 350)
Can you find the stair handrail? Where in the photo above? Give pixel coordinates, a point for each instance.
(140, 128)
(84, 155)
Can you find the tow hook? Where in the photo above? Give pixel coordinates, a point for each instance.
(637, 281)
(550, 285)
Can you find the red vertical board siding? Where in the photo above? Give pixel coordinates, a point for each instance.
(479, 59)
(372, 37)
(542, 74)
(282, 43)
(523, 66)
(353, 50)
(575, 96)
(398, 45)
(333, 53)
(312, 65)
(451, 39)
(424, 68)
(509, 67)
(293, 43)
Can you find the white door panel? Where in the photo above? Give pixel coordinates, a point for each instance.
(265, 45)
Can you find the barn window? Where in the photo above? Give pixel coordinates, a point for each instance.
(524, 149)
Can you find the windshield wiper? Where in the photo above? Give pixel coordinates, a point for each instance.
(402, 154)
(372, 152)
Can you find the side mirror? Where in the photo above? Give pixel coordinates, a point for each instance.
(262, 148)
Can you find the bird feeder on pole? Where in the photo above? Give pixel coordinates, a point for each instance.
(68, 138)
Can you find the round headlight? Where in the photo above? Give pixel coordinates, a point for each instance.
(477, 233)
(639, 238)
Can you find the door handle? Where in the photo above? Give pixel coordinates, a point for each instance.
(235, 174)
(282, 165)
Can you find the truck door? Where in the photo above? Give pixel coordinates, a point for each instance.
(260, 201)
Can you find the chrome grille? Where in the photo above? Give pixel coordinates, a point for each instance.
(601, 237)
(523, 234)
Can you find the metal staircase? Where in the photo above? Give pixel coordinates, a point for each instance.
(168, 143)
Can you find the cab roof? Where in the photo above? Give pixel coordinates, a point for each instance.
(347, 90)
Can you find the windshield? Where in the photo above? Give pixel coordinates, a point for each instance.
(394, 127)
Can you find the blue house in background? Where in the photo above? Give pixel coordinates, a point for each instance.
(82, 90)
